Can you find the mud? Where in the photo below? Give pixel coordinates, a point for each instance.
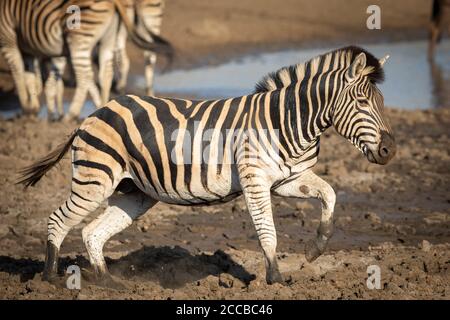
(395, 216)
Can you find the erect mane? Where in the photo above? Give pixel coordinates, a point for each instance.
(292, 74)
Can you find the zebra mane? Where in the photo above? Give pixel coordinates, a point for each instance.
(295, 73)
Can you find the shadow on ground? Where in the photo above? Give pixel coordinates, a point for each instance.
(171, 267)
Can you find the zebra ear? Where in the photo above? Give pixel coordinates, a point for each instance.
(357, 66)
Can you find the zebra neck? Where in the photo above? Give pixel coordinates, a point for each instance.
(303, 117)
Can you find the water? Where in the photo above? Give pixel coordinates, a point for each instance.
(411, 81)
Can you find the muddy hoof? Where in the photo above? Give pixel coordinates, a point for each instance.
(274, 277)
(312, 251)
(54, 280)
(70, 118)
(53, 117)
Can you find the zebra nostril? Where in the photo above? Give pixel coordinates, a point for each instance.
(384, 152)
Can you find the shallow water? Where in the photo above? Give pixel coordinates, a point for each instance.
(411, 81)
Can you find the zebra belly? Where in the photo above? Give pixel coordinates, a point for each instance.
(199, 189)
(45, 49)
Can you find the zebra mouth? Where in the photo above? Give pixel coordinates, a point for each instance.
(369, 155)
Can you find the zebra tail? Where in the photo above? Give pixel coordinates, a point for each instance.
(30, 175)
(157, 44)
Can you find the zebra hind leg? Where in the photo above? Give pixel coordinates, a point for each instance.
(122, 209)
(80, 204)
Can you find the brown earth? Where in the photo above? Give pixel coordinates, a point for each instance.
(395, 216)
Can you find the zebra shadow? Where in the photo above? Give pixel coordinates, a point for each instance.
(171, 267)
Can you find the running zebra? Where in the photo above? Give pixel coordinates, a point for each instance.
(49, 29)
(136, 151)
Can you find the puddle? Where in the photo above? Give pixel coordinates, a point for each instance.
(411, 81)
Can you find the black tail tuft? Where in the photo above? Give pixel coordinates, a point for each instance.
(30, 175)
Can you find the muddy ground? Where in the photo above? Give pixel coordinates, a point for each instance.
(396, 216)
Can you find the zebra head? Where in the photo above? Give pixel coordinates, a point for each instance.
(359, 112)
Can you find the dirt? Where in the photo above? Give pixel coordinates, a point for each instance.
(395, 216)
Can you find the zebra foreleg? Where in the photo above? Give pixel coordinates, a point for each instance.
(85, 84)
(15, 62)
(54, 88)
(309, 185)
(106, 59)
(150, 63)
(122, 60)
(121, 211)
(257, 197)
(33, 82)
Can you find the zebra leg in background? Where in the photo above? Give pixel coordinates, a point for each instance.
(122, 60)
(54, 89)
(16, 65)
(257, 198)
(150, 62)
(122, 209)
(82, 64)
(33, 82)
(309, 185)
(433, 39)
(106, 59)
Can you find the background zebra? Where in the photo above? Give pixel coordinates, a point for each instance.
(137, 151)
(150, 13)
(147, 17)
(43, 31)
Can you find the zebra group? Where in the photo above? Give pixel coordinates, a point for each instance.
(138, 150)
(44, 34)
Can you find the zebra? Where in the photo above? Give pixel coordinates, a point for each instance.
(138, 150)
(150, 14)
(44, 31)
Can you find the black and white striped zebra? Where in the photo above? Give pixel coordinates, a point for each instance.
(44, 29)
(136, 151)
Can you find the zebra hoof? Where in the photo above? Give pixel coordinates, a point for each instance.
(53, 117)
(312, 251)
(70, 118)
(274, 277)
(104, 280)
